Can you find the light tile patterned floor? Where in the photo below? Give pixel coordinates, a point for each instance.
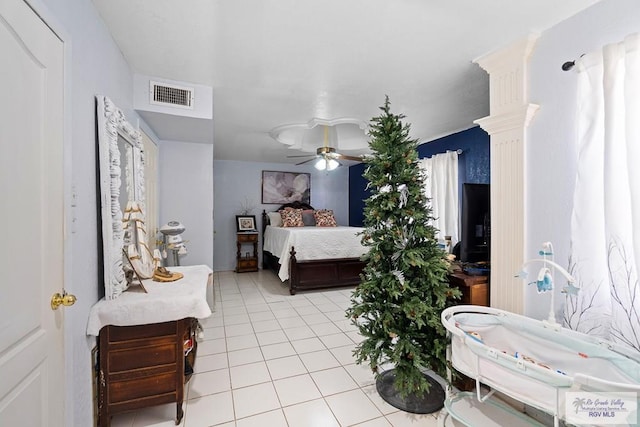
(270, 359)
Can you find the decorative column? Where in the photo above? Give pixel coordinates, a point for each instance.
(507, 125)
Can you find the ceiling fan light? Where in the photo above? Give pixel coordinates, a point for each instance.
(321, 164)
(332, 164)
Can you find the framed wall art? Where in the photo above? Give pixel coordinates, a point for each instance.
(246, 222)
(285, 187)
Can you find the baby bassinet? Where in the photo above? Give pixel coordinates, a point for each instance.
(535, 362)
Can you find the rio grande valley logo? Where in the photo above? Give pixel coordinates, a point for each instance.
(605, 408)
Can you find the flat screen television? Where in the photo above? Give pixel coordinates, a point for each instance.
(476, 223)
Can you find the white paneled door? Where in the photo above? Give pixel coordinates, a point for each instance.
(31, 213)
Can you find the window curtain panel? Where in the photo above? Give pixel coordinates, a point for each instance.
(605, 223)
(441, 187)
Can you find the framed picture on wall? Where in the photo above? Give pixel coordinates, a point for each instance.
(246, 222)
(285, 187)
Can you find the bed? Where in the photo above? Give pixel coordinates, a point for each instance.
(312, 257)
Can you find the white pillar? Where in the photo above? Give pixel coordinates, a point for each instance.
(510, 115)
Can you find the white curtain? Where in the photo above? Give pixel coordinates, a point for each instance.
(441, 186)
(605, 224)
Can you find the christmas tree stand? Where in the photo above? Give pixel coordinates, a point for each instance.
(428, 403)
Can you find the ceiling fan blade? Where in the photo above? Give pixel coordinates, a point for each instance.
(305, 155)
(306, 161)
(345, 157)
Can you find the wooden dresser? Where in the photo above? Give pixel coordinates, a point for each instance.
(146, 342)
(144, 365)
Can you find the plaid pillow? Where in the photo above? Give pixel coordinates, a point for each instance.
(325, 218)
(291, 217)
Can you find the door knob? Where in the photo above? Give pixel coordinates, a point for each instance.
(62, 299)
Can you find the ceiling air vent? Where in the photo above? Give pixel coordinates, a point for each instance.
(171, 95)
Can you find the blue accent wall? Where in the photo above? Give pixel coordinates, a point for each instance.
(357, 195)
(473, 166)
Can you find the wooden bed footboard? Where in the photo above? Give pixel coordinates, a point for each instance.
(323, 273)
(317, 274)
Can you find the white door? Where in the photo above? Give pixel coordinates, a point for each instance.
(31, 213)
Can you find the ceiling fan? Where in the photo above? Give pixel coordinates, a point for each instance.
(327, 157)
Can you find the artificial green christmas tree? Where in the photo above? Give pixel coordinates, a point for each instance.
(404, 285)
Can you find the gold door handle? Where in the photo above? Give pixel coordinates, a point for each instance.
(62, 299)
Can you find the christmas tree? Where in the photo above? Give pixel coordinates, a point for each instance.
(404, 285)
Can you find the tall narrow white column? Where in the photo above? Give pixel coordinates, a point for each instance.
(507, 125)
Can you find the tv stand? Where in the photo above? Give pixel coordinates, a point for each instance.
(475, 289)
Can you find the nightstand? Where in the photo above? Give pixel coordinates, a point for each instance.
(247, 261)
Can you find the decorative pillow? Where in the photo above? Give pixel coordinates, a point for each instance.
(308, 217)
(291, 217)
(275, 220)
(325, 218)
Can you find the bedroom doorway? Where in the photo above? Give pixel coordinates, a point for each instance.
(32, 188)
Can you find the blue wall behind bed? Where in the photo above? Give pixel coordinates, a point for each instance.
(473, 166)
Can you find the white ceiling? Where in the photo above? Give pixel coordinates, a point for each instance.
(277, 62)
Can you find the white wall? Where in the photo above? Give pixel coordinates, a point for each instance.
(186, 195)
(96, 67)
(234, 182)
(550, 156)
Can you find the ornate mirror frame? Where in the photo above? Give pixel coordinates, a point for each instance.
(111, 124)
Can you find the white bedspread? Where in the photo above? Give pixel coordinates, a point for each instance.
(163, 302)
(312, 243)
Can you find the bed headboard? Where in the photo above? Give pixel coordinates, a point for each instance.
(294, 205)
